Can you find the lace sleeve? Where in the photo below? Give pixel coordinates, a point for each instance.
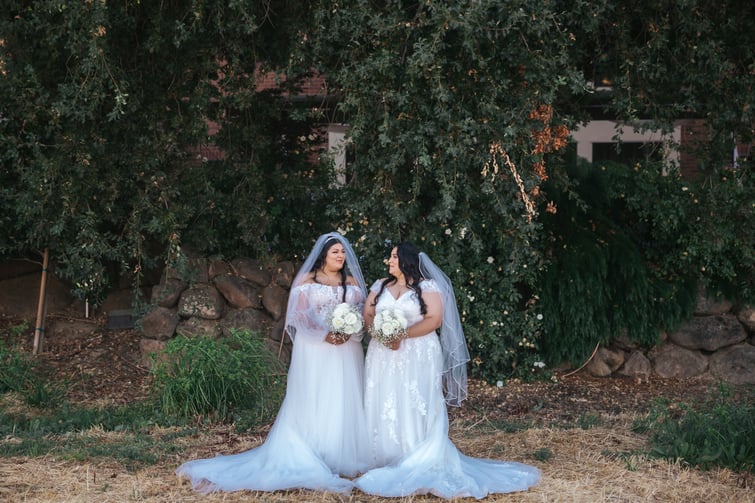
(429, 285)
(305, 315)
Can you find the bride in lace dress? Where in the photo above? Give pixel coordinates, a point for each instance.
(319, 433)
(408, 383)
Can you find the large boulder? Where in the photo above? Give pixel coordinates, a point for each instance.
(218, 268)
(160, 323)
(637, 365)
(746, 317)
(199, 327)
(275, 298)
(239, 292)
(672, 361)
(167, 293)
(284, 274)
(152, 352)
(252, 270)
(709, 333)
(605, 362)
(709, 305)
(735, 364)
(202, 301)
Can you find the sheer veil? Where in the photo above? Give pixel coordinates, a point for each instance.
(452, 341)
(296, 315)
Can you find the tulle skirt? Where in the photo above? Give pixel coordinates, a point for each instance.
(407, 425)
(318, 438)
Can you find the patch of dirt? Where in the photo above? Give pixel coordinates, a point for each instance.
(95, 366)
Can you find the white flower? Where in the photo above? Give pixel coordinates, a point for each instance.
(499, 384)
(539, 316)
(463, 232)
(345, 319)
(490, 260)
(389, 325)
(448, 232)
(539, 364)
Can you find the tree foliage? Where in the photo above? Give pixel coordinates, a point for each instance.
(457, 114)
(450, 109)
(104, 105)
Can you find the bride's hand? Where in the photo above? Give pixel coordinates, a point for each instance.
(336, 339)
(395, 344)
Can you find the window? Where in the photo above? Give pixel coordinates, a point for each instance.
(627, 152)
(597, 141)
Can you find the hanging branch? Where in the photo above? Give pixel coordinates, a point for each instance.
(497, 150)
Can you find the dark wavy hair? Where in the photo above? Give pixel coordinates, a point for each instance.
(408, 263)
(320, 261)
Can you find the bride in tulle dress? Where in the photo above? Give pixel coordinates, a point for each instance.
(408, 383)
(319, 435)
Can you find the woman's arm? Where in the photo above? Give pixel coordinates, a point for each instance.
(306, 319)
(432, 320)
(433, 317)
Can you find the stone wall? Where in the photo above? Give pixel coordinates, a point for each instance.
(218, 297)
(719, 339)
(244, 294)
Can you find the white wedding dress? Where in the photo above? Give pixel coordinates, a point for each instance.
(319, 432)
(407, 422)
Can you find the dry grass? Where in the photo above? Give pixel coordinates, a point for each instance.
(593, 465)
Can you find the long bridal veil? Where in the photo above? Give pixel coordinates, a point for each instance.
(453, 343)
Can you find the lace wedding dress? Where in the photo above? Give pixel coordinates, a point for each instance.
(407, 422)
(319, 432)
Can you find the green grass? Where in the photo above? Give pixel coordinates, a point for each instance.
(125, 434)
(234, 379)
(716, 433)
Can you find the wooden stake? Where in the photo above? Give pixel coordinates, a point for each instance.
(40, 325)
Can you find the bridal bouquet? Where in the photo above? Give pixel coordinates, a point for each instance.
(389, 326)
(344, 321)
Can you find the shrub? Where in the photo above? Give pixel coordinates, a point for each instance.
(20, 373)
(16, 367)
(492, 279)
(716, 434)
(617, 248)
(213, 378)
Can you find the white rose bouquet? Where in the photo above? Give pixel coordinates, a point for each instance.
(344, 321)
(389, 326)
